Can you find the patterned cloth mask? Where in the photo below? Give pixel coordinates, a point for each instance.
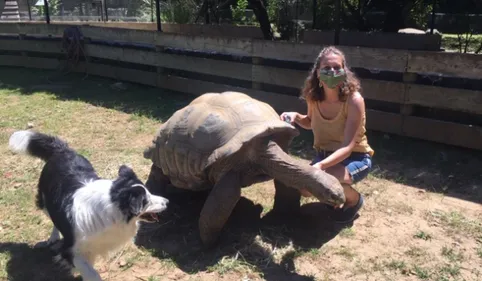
(332, 77)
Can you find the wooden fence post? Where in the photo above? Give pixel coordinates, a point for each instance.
(47, 12)
(104, 2)
(405, 108)
(158, 15)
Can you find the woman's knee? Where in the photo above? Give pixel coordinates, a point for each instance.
(340, 172)
(359, 170)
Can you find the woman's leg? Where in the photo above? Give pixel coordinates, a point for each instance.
(340, 172)
(350, 171)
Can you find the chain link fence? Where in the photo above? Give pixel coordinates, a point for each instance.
(460, 23)
(75, 10)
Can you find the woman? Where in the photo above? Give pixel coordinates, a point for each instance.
(336, 115)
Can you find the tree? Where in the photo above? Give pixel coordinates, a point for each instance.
(260, 12)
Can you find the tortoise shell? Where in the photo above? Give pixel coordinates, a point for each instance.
(212, 128)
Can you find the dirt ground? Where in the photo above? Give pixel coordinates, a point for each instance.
(422, 218)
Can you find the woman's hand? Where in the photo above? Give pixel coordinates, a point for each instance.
(304, 121)
(289, 117)
(318, 165)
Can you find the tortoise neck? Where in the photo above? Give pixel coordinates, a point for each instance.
(298, 174)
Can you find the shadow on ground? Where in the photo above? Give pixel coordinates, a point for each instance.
(438, 168)
(39, 261)
(247, 239)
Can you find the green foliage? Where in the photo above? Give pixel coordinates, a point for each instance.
(54, 7)
(40, 10)
(182, 12)
(418, 15)
(273, 8)
(325, 14)
(239, 12)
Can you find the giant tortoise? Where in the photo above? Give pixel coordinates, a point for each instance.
(227, 141)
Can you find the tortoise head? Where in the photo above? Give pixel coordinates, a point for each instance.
(148, 152)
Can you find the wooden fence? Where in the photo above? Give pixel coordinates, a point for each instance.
(405, 41)
(433, 96)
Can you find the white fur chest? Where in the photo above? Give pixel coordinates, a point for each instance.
(100, 226)
(106, 241)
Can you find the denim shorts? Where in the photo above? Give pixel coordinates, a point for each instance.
(358, 164)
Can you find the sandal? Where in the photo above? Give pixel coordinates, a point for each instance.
(346, 214)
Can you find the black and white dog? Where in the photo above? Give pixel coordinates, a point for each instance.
(95, 216)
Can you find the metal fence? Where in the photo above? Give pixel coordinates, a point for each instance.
(74, 10)
(363, 15)
(277, 19)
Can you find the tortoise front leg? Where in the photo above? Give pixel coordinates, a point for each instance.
(218, 207)
(286, 199)
(157, 183)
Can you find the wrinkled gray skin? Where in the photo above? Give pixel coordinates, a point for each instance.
(227, 141)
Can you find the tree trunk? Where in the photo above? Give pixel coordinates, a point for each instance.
(394, 20)
(261, 13)
(396, 14)
(259, 10)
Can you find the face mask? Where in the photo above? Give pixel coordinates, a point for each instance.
(331, 77)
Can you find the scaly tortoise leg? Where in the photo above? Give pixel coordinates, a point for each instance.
(218, 207)
(286, 199)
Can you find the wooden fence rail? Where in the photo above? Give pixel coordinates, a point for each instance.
(433, 96)
(406, 41)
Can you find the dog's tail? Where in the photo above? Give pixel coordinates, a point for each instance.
(36, 144)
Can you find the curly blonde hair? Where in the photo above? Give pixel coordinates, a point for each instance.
(312, 92)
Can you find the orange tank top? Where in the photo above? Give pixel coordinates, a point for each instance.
(329, 133)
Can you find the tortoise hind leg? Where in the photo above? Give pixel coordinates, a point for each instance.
(218, 207)
(157, 183)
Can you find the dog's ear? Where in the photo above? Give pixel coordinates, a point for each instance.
(126, 172)
(131, 200)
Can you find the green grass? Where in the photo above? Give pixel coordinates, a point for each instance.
(456, 223)
(347, 232)
(346, 252)
(397, 265)
(112, 127)
(416, 252)
(101, 123)
(423, 235)
(452, 255)
(421, 272)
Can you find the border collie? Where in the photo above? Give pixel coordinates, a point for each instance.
(95, 216)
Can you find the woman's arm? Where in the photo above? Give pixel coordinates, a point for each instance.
(356, 109)
(304, 121)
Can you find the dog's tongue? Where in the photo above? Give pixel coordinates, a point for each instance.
(154, 217)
